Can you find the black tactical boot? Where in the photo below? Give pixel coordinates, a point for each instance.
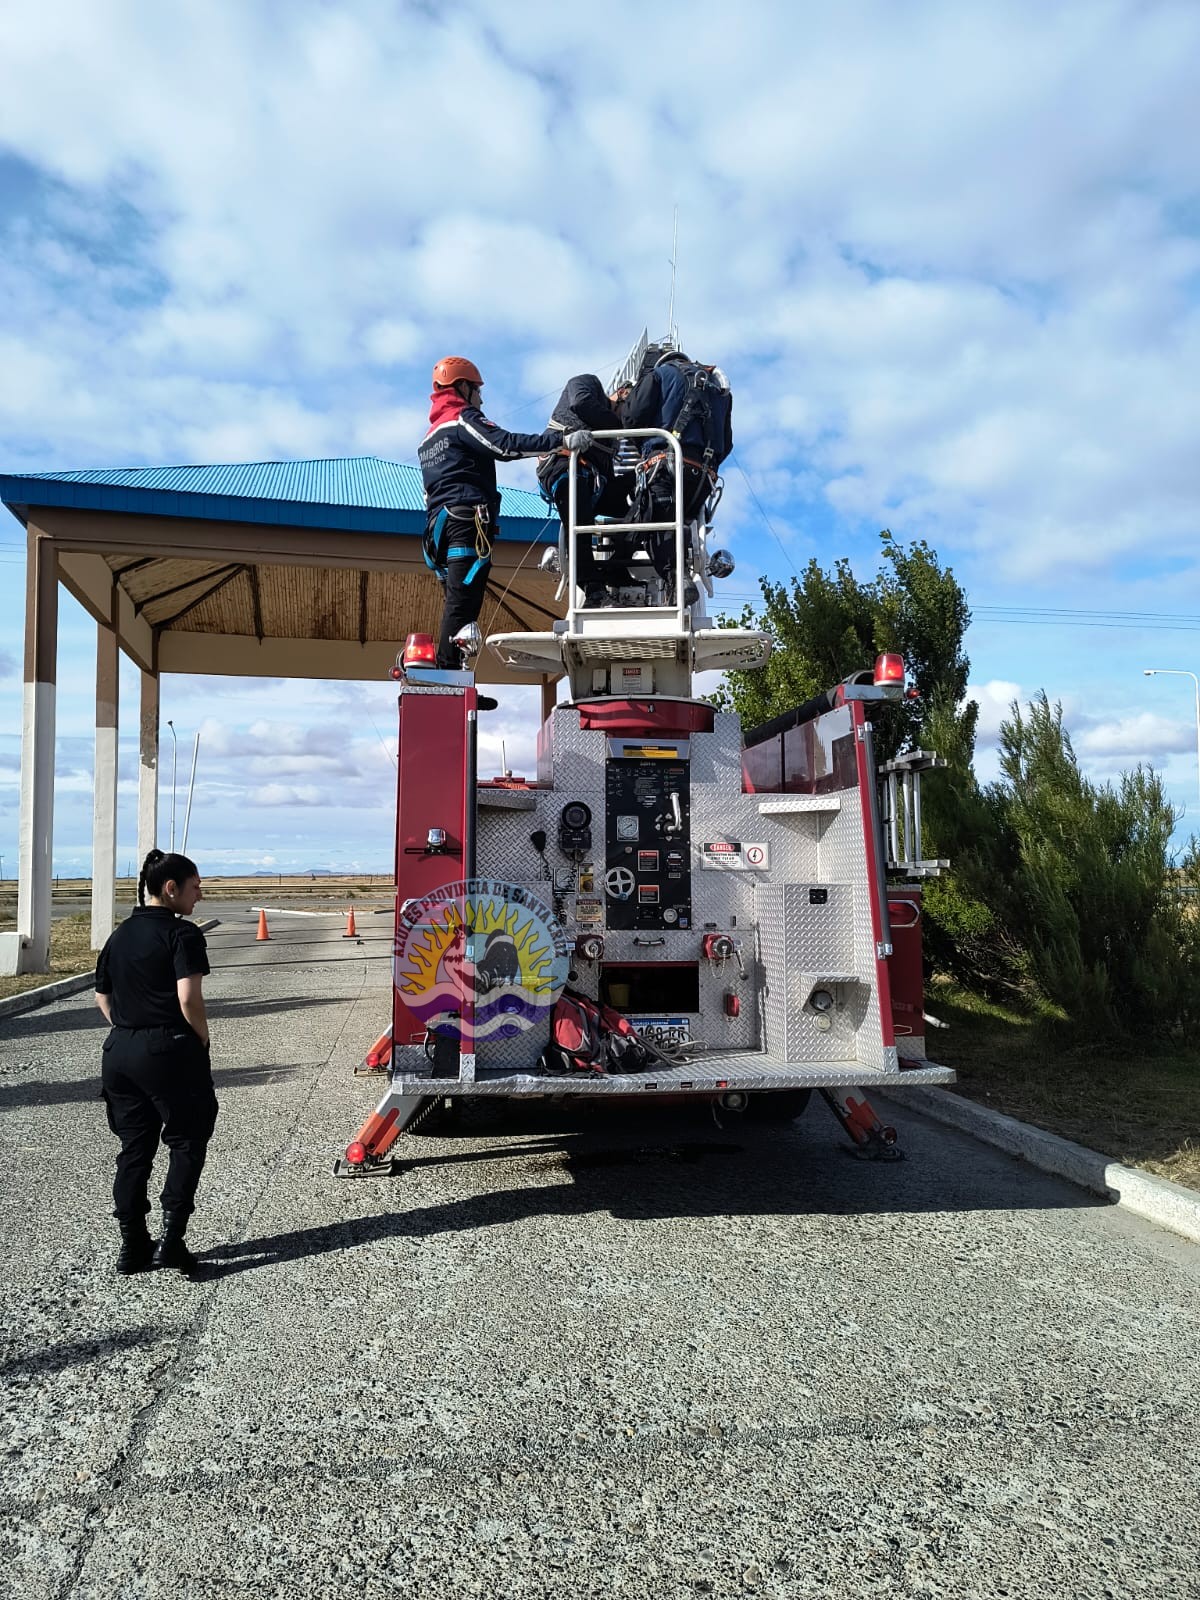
(137, 1248)
(171, 1250)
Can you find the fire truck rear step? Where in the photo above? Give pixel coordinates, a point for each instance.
(747, 1071)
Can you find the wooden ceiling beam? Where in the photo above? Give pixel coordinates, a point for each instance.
(168, 622)
(165, 594)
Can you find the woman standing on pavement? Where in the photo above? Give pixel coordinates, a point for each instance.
(156, 1072)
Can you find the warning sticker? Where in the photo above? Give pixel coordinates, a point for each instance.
(730, 855)
(722, 853)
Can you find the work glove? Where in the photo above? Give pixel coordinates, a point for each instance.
(581, 439)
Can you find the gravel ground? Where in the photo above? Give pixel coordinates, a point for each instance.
(567, 1354)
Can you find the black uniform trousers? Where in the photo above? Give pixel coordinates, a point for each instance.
(596, 496)
(462, 604)
(654, 501)
(158, 1083)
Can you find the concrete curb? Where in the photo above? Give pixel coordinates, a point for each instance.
(33, 998)
(1158, 1200)
(62, 988)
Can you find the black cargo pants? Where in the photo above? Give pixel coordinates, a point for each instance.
(595, 496)
(157, 1083)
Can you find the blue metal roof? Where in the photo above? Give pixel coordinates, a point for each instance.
(356, 494)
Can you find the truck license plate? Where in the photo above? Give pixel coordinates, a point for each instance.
(664, 1030)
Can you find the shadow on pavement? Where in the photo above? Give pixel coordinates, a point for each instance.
(765, 1173)
(85, 1019)
(37, 1092)
(58, 1357)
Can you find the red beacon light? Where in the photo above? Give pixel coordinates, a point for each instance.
(889, 671)
(420, 650)
(356, 1153)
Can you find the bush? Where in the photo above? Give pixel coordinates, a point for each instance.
(1108, 935)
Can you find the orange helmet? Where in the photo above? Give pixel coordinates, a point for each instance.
(455, 369)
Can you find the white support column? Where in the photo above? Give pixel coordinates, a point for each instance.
(104, 813)
(28, 950)
(148, 770)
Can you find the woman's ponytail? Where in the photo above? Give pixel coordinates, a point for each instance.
(159, 868)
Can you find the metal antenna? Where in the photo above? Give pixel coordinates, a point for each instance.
(671, 339)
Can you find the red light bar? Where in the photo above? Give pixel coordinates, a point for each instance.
(889, 669)
(420, 650)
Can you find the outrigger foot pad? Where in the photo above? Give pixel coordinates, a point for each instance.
(871, 1139)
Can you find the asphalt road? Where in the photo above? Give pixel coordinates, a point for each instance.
(569, 1354)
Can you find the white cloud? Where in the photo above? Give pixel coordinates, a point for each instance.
(286, 794)
(1143, 736)
(995, 699)
(948, 256)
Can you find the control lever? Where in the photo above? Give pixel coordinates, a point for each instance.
(676, 812)
(648, 939)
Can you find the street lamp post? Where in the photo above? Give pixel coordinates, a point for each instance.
(174, 754)
(1181, 672)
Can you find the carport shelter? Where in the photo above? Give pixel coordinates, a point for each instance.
(280, 569)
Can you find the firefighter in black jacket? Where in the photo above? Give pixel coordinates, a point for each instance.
(156, 1077)
(693, 402)
(458, 465)
(599, 491)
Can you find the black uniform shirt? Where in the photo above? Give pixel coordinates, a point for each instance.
(141, 963)
(458, 458)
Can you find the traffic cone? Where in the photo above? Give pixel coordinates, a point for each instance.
(262, 927)
(351, 931)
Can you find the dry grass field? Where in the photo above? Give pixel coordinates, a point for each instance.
(70, 937)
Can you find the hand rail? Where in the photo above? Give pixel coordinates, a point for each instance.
(574, 610)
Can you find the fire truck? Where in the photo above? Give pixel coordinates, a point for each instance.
(748, 901)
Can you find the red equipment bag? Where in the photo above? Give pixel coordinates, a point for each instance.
(592, 1039)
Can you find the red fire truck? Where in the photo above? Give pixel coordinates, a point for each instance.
(747, 900)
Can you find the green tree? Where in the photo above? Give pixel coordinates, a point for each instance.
(827, 624)
(1110, 939)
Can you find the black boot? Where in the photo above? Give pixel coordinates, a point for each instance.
(137, 1248)
(171, 1250)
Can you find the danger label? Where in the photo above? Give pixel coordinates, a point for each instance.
(731, 855)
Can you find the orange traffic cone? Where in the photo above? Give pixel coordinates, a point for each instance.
(262, 927)
(351, 931)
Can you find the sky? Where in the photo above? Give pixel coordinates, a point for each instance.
(948, 255)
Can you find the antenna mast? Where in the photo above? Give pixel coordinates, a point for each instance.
(672, 339)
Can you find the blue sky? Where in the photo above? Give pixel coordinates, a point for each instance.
(949, 257)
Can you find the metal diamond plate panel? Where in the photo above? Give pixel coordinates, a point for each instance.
(579, 756)
(841, 856)
(910, 1047)
(503, 849)
(520, 1054)
(803, 942)
(746, 1070)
